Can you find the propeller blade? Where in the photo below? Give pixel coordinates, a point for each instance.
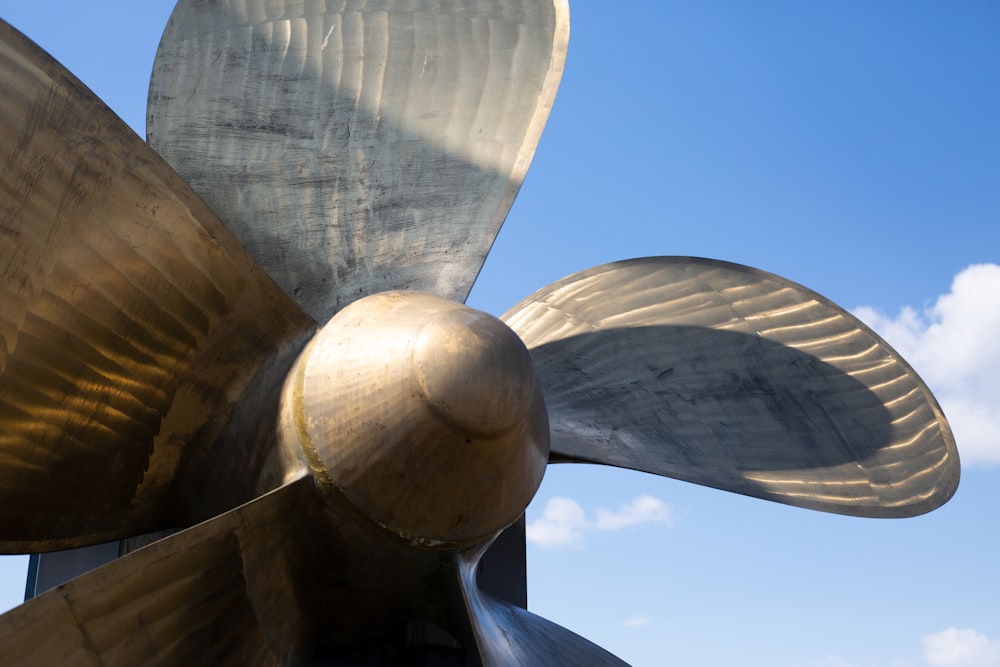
(505, 635)
(226, 592)
(355, 151)
(131, 322)
(734, 378)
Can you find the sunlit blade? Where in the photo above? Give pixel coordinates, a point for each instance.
(505, 635)
(363, 149)
(131, 322)
(734, 378)
(226, 592)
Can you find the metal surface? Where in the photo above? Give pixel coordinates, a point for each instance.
(233, 591)
(734, 378)
(503, 634)
(58, 567)
(131, 322)
(363, 146)
(423, 413)
(152, 376)
(229, 591)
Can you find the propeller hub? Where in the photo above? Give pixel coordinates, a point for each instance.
(423, 414)
(474, 371)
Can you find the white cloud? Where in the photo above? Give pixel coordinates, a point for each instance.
(644, 509)
(561, 525)
(637, 621)
(956, 647)
(564, 523)
(954, 345)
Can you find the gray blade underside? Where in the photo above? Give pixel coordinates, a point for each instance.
(131, 322)
(505, 635)
(226, 592)
(734, 378)
(356, 150)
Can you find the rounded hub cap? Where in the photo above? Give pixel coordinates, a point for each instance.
(425, 415)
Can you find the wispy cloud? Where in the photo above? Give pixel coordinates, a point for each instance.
(564, 522)
(957, 647)
(637, 621)
(954, 647)
(953, 345)
(644, 509)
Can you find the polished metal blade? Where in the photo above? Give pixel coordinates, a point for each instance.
(225, 592)
(131, 322)
(734, 378)
(505, 635)
(360, 149)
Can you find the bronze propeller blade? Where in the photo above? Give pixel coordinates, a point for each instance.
(131, 321)
(734, 378)
(350, 480)
(425, 436)
(358, 150)
(228, 591)
(504, 634)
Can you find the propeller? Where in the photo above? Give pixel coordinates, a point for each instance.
(227, 591)
(734, 378)
(505, 634)
(358, 148)
(132, 325)
(336, 483)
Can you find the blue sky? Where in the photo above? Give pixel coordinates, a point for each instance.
(851, 146)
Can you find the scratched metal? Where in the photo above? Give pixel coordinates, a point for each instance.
(247, 588)
(358, 147)
(734, 378)
(424, 413)
(152, 375)
(131, 321)
(503, 634)
(228, 591)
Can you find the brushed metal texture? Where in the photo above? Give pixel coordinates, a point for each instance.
(131, 321)
(228, 591)
(358, 147)
(349, 481)
(504, 634)
(734, 378)
(424, 413)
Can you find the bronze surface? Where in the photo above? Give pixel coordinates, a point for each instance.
(347, 482)
(358, 147)
(504, 634)
(131, 322)
(425, 414)
(229, 591)
(734, 378)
